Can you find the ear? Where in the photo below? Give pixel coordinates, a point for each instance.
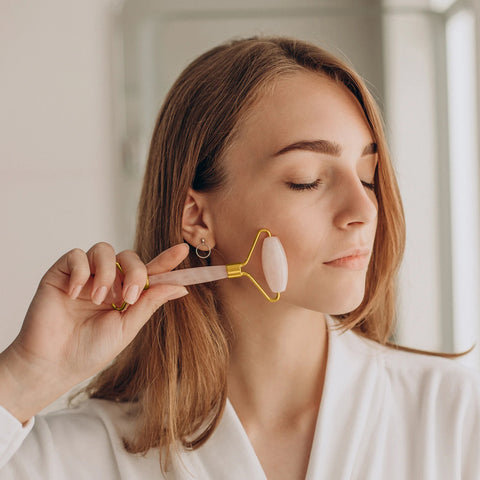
(196, 220)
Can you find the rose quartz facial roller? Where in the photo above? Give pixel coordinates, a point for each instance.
(274, 263)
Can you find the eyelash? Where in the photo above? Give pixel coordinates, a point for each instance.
(304, 186)
(316, 183)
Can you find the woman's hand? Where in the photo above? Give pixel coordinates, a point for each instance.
(71, 331)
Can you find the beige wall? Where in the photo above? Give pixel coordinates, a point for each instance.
(56, 149)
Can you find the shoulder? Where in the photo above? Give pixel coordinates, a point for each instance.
(423, 410)
(435, 370)
(91, 431)
(90, 419)
(421, 365)
(91, 411)
(411, 371)
(436, 381)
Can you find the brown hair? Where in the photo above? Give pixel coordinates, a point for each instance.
(175, 369)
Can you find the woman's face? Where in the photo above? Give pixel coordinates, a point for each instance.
(302, 166)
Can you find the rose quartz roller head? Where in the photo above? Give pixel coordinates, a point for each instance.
(274, 263)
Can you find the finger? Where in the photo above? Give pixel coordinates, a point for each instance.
(74, 272)
(165, 262)
(102, 261)
(77, 264)
(168, 259)
(135, 273)
(150, 301)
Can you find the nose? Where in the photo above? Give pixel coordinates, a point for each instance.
(356, 204)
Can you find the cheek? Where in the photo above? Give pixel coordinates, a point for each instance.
(237, 219)
(300, 227)
(298, 223)
(304, 249)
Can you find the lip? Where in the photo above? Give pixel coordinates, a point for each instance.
(353, 259)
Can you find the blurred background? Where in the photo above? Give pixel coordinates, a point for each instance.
(82, 82)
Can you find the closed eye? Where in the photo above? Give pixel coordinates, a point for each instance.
(304, 186)
(316, 183)
(370, 186)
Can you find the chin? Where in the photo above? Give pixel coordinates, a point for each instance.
(330, 305)
(346, 305)
(331, 295)
(336, 302)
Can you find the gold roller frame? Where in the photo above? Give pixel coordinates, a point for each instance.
(234, 270)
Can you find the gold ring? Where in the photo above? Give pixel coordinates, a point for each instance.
(123, 306)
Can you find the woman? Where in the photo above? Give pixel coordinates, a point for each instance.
(255, 133)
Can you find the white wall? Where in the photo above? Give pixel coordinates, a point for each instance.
(419, 124)
(411, 96)
(57, 154)
(161, 38)
(62, 181)
(60, 162)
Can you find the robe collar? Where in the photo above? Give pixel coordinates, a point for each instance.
(349, 409)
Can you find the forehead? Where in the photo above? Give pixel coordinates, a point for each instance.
(303, 106)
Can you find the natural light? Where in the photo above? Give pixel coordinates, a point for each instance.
(464, 175)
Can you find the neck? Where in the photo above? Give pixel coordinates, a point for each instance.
(278, 356)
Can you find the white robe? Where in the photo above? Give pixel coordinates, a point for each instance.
(384, 414)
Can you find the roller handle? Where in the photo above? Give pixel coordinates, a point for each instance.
(190, 276)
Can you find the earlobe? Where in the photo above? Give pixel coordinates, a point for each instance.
(195, 220)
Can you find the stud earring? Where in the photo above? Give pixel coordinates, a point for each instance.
(203, 244)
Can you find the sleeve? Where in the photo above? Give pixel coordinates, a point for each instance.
(29, 452)
(76, 443)
(12, 435)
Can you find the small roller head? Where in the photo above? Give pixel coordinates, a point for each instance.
(274, 263)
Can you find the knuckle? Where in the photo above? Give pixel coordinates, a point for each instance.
(137, 274)
(78, 263)
(103, 246)
(80, 272)
(135, 269)
(104, 277)
(76, 252)
(132, 262)
(140, 273)
(128, 253)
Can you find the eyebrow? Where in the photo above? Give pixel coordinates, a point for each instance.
(323, 146)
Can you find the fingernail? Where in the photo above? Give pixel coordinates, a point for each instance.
(177, 294)
(131, 294)
(75, 292)
(99, 295)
